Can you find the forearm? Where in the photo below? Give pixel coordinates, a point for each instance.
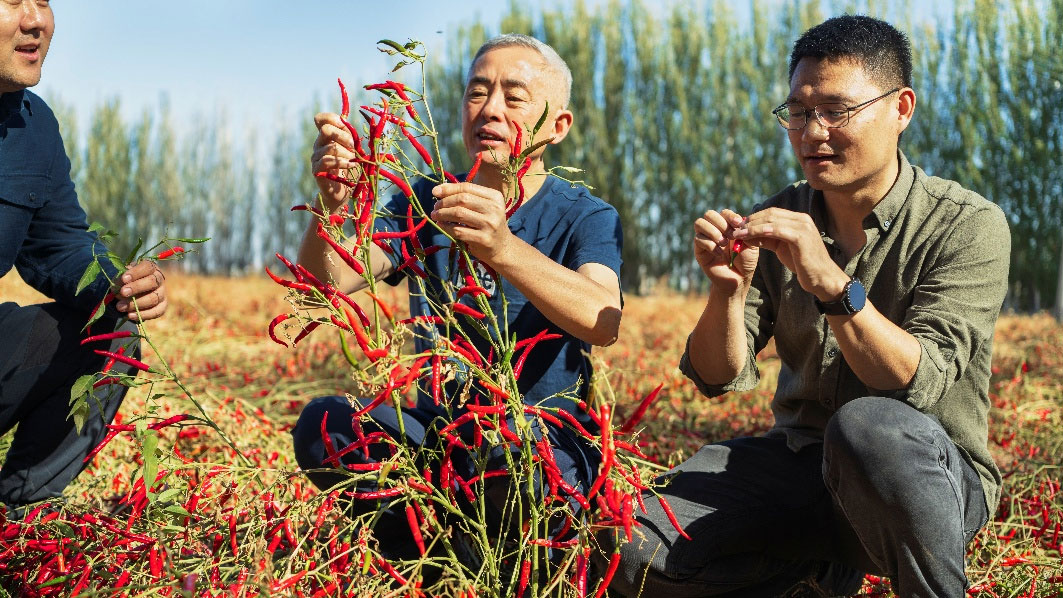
(883, 355)
(577, 304)
(718, 348)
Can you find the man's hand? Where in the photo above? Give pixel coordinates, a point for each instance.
(475, 215)
(333, 153)
(714, 235)
(794, 238)
(145, 283)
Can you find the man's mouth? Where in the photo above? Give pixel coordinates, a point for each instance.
(488, 136)
(821, 158)
(28, 50)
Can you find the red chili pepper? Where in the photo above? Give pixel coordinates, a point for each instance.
(170, 253)
(340, 250)
(450, 178)
(633, 421)
(273, 326)
(475, 168)
(108, 336)
(436, 362)
(375, 494)
(671, 516)
(136, 363)
(309, 328)
(461, 308)
(383, 306)
(345, 105)
(525, 572)
(736, 248)
(415, 528)
(417, 146)
(398, 182)
(299, 286)
(334, 178)
(517, 142)
(608, 453)
(614, 562)
(105, 382)
(287, 583)
(520, 187)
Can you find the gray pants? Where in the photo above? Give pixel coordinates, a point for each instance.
(39, 362)
(887, 493)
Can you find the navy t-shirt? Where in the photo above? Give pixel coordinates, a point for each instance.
(565, 223)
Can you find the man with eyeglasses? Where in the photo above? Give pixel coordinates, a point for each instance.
(881, 286)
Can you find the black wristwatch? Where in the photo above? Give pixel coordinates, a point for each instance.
(852, 300)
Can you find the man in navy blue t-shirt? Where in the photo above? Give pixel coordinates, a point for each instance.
(557, 256)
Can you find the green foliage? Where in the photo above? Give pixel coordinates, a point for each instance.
(672, 117)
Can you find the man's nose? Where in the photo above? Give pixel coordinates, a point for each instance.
(815, 130)
(32, 16)
(494, 107)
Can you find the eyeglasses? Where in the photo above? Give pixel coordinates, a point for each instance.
(832, 115)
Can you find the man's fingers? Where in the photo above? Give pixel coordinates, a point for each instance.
(447, 190)
(460, 215)
(147, 314)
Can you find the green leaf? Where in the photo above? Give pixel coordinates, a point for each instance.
(394, 44)
(81, 387)
(80, 414)
(151, 461)
(533, 147)
(57, 580)
(133, 254)
(177, 510)
(96, 315)
(117, 263)
(91, 272)
(168, 494)
(542, 119)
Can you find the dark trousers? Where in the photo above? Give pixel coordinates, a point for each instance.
(39, 363)
(887, 493)
(577, 461)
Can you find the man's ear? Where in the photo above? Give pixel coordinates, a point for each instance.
(561, 124)
(905, 108)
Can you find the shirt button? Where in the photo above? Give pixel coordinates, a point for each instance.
(33, 197)
(832, 352)
(886, 224)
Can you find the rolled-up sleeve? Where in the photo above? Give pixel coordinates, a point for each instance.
(759, 327)
(955, 305)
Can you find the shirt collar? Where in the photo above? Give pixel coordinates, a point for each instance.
(885, 212)
(10, 103)
(516, 222)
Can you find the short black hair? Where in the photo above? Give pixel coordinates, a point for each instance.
(884, 52)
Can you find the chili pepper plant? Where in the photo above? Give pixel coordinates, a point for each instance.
(543, 544)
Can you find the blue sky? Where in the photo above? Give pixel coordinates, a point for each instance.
(247, 59)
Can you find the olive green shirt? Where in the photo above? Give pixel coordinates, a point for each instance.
(936, 264)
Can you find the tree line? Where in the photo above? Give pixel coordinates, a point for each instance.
(672, 118)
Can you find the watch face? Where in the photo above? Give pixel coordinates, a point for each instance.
(857, 296)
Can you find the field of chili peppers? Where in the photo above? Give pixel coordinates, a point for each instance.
(217, 525)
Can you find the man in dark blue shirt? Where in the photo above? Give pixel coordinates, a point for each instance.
(557, 256)
(44, 235)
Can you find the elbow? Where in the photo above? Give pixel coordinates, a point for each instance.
(606, 329)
